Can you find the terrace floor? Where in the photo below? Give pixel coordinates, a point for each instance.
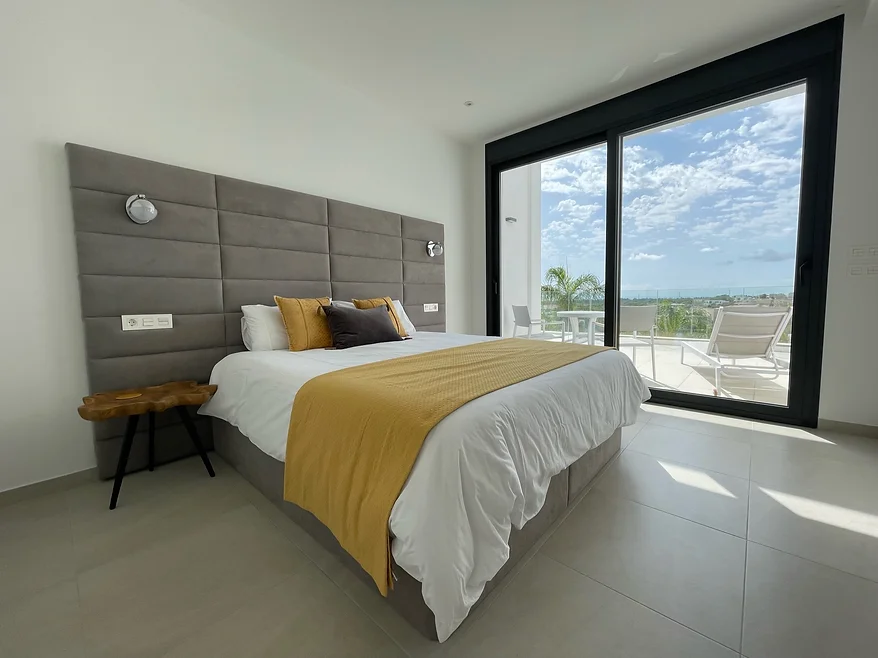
(696, 376)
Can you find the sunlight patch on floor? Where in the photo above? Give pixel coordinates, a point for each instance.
(827, 513)
(693, 478)
(791, 432)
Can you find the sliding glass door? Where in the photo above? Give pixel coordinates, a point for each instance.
(686, 224)
(553, 245)
(710, 220)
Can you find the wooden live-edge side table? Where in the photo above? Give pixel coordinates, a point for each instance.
(134, 402)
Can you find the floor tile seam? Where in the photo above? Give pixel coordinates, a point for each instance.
(678, 516)
(640, 603)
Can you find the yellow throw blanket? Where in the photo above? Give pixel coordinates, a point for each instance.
(355, 433)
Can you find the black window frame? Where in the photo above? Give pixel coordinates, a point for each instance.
(811, 55)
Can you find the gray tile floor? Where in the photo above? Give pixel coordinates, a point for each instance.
(708, 536)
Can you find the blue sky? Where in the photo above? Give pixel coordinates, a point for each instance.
(711, 203)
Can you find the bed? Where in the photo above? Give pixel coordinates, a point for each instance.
(219, 243)
(489, 480)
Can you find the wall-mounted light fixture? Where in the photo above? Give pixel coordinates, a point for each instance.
(512, 220)
(140, 209)
(434, 249)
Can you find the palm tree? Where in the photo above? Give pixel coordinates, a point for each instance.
(679, 319)
(671, 318)
(562, 288)
(595, 288)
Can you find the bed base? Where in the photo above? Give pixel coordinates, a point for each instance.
(267, 475)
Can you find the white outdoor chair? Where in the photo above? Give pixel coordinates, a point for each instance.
(743, 332)
(521, 316)
(634, 319)
(638, 318)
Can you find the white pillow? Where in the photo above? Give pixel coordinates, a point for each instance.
(262, 328)
(339, 304)
(406, 323)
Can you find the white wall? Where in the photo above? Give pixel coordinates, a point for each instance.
(160, 80)
(850, 364)
(520, 243)
(475, 161)
(850, 360)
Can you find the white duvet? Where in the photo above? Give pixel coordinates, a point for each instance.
(483, 469)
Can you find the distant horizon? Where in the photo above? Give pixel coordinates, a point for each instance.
(713, 201)
(733, 291)
(706, 293)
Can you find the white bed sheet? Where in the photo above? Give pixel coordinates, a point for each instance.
(483, 469)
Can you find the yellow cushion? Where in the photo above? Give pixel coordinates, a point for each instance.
(383, 301)
(306, 323)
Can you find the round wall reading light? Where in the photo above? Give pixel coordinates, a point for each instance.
(434, 249)
(140, 209)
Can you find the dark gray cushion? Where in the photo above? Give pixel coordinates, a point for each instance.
(351, 327)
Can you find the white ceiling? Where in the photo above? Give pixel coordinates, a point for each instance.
(520, 62)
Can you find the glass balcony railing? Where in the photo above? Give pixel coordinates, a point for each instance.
(682, 313)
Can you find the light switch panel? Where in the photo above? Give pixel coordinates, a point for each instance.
(864, 251)
(431, 308)
(147, 322)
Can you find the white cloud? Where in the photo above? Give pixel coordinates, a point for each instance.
(576, 212)
(740, 131)
(666, 192)
(580, 172)
(564, 206)
(773, 213)
(705, 228)
(660, 195)
(554, 170)
(755, 159)
(649, 245)
(783, 120)
(557, 187)
(579, 231)
(558, 228)
(769, 256)
(707, 250)
(644, 256)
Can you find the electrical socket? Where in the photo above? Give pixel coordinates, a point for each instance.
(431, 308)
(147, 322)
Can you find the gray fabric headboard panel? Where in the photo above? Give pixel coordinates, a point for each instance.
(219, 243)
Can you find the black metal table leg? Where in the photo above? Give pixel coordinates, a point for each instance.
(193, 434)
(151, 440)
(123, 458)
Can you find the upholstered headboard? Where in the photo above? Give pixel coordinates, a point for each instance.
(219, 243)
